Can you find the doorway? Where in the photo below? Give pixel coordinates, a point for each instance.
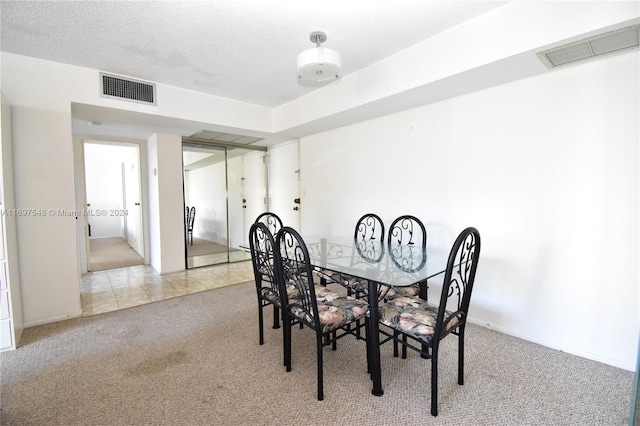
(224, 190)
(114, 231)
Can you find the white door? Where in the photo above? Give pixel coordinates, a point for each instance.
(284, 183)
(254, 189)
(84, 252)
(133, 203)
(237, 202)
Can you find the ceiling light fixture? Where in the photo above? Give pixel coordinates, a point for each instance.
(319, 64)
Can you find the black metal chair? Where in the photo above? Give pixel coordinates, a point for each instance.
(190, 219)
(316, 307)
(262, 248)
(186, 223)
(368, 237)
(271, 220)
(426, 323)
(406, 233)
(369, 228)
(407, 230)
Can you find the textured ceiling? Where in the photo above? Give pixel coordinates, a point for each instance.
(238, 49)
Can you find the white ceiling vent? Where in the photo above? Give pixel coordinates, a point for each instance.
(614, 41)
(115, 87)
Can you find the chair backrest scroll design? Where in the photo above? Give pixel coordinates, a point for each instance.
(407, 230)
(293, 268)
(458, 282)
(407, 243)
(271, 220)
(369, 227)
(262, 246)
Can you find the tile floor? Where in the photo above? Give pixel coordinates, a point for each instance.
(110, 290)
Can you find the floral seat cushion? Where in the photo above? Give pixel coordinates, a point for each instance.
(356, 284)
(390, 293)
(361, 287)
(334, 309)
(270, 296)
(324, 274)
(414, 317)
(293, 293)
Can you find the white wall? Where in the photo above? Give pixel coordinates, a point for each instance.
(474, 55)
(210, 188)
(43, 160)
(103, 170)
(166, 211)
(546, 168)
(208, 194)
(155, 248)
(43, 165)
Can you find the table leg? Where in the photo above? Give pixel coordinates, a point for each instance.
(373, 341)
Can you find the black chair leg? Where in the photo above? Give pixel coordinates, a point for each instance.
(404, 346)
(260, 324)
(434, 382)
(395, 344)
(425, 351)
(276, 317)
(461, 357)
(286, 333)
(368, 342)
(320, 372)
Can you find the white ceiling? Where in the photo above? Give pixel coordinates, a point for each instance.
(238, 49)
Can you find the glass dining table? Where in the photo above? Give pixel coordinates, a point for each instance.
(382, 266)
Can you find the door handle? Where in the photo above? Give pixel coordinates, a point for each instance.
(296, 200)
(137, 204)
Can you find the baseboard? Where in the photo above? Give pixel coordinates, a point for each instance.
(588, 355)
(52, 320)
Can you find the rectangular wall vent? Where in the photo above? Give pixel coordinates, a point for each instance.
(614, 41)
(116, 87)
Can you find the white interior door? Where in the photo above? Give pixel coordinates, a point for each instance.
(82, 224)
(133, 201)
(254, 190)
(284, 183)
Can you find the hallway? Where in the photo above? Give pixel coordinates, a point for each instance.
(114, 289)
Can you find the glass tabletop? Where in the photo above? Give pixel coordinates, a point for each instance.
(395, 265)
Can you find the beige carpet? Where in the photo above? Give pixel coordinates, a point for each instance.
(195, 360)
(112, 253)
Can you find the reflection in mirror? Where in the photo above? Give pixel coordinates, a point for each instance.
(226, 185)
(205, 192)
